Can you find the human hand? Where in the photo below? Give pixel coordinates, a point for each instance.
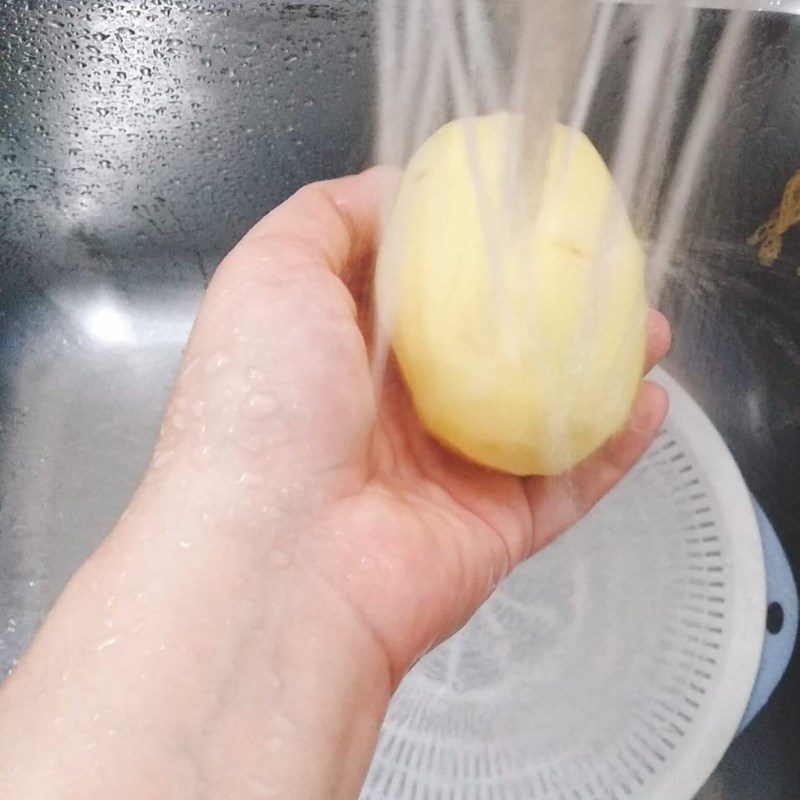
(297, 543)
(339, 479)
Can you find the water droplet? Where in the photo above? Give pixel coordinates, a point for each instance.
(161, 458)
(250, 480)
(205, 455)
(198, 407)
(191, 365)
(104, 645)
(271, 512)
(217, 362)
(261, 405)
(253, 445)
(281, 727)
(184, 544)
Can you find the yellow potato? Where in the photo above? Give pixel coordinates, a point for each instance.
(521, 335)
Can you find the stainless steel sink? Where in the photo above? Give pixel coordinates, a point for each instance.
(140, 138)
(138, 141)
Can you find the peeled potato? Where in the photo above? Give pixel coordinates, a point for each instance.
(520, 336)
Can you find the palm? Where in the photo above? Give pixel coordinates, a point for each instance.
(443, 532)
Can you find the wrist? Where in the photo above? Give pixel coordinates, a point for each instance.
(246, 668)
(289, 676)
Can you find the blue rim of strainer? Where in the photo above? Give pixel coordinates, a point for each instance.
(782, 619)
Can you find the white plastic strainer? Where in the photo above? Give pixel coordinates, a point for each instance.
(616, 664)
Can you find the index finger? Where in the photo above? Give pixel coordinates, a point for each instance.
(332, 224)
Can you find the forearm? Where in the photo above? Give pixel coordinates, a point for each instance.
(250, 679)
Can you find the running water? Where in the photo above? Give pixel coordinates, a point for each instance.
(544, 61)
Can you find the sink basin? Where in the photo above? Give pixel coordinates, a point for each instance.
(139, 140)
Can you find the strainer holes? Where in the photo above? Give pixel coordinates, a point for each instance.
(402, 787)
(608, 793)
(647, 743)
(630, 769)
(668, 743)
(703, 674)
(775, 618)
(676, 713)
(640, 759)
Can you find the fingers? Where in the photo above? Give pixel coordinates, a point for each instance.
(559, 502)
(659, 339)
(334, 224)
